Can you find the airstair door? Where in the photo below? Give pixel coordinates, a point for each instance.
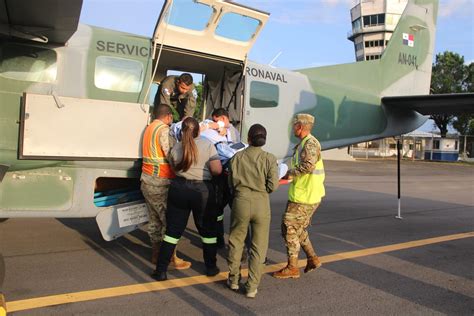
(218, 28)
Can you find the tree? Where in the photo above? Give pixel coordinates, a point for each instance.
(464, 124)
(199, 102)
(470, 78)
(449, 75)
(442, 121)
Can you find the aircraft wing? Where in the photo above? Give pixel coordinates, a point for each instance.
(434, 103)
(40, 20)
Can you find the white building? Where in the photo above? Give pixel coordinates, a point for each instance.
(442, 149)
(373, 22)
(415, 145)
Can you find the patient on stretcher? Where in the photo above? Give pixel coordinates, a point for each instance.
(226, 148)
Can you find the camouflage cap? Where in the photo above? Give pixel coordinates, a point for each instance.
(303, 118)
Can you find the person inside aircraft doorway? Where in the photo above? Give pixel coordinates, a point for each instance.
(178, 92)
(304, 196)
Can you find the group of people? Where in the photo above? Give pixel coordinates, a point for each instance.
(187, 170)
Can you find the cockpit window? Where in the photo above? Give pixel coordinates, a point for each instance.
(237, 27)
(28, 63)
(118, 74)
(190, 15)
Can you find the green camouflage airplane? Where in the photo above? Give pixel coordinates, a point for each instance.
(74, 98)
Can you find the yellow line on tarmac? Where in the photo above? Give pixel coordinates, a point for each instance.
(60, 299)
(3, 308)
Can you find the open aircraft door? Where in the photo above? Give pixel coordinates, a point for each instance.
(212, 38)
(222, 29)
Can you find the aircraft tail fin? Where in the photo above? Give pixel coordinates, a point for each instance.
(407, 61)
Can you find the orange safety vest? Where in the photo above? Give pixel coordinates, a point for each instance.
(154, 159)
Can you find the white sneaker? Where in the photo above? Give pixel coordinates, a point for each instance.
(251, 294)
(232, 286)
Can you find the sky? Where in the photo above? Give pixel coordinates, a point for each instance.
(304, 33)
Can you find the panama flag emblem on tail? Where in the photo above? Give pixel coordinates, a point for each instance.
(408, 39)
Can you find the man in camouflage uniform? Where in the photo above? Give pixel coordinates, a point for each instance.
(156, 175)
(304, 197)
(179, 93)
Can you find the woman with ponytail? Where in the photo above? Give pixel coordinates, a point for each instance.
(194, 161)
(254, 175)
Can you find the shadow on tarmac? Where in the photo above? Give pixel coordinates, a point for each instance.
(347, 220)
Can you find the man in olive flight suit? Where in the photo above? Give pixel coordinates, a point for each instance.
(179, 93)
(304, 196)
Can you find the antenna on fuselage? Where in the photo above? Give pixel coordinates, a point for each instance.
(274, 59)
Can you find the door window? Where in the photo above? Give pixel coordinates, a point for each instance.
(212, 27)
(118, 74)
(190, 15)
(237, 27)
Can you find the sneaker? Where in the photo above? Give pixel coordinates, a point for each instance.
(251, 294)
(232, 286)
(180, 265)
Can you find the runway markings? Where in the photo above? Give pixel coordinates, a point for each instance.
(83, 296)
(3, 309)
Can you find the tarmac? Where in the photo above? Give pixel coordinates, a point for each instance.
(373, 263)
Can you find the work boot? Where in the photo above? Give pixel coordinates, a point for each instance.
(312, 264)
(313, 260)
(290, 271)
(178, 263)
(308, 250)
(155, 247)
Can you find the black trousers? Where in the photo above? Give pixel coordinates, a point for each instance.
(184, 197)
(223, 197)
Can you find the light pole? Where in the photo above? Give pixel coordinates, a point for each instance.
(399, 216)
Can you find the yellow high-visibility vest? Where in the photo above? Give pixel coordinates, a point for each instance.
(307, 188)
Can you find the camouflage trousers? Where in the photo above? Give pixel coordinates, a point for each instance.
(294, 226)
(155, 191)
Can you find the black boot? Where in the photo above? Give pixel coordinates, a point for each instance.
(210, 260)
(210, 272)
(159, 276)
(164, 257)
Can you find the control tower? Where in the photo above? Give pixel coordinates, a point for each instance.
(373, 22)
